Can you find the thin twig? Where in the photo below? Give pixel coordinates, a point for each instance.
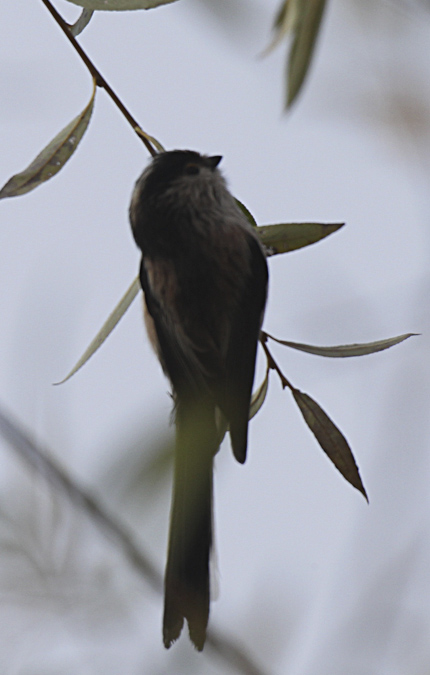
(272, 363)
(100, 80)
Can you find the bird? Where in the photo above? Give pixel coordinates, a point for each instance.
(204, 276)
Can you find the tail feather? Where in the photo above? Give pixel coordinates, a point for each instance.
(187, 589)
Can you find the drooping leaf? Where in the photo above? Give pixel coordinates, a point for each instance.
(107, 327)
(53, 157)
(307, 21)
(247, 213)
(281, 15)
(284, 23)
(330, 439)
(120, 5)
(259, 396)
(149, 138)
(285, 237)
(82, 22)
(344, 351)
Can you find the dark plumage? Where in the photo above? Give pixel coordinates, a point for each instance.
(204, 276)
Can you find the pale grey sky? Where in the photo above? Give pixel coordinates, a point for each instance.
(312, 579)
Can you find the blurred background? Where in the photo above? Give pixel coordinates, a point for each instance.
(312, 580)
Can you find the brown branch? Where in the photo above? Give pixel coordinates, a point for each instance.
(100, 80)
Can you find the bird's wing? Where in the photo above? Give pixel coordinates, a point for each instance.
(242, 348)
(176, 351)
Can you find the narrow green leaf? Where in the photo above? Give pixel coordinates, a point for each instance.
(246, 213)
(120, 5)
(107, 327)
(259, 396)
(53, 157)
(284, 23)
(82, 22)
(306, 28)
(330, 439)
(151, 139)
(285, 237)
(344, 351)
(282, 20)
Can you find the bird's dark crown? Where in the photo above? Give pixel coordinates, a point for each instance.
(168, 166)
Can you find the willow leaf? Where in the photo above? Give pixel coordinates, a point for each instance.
(259, 396)
(285, 237)
(308, 15)
(149, 138)
(284, 23)
(82, 22)
(330, 439)
(246, 212)
(345, 351)
(120, 5)
(107, 327)
(53, 157)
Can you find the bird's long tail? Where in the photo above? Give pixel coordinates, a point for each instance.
(186, 583)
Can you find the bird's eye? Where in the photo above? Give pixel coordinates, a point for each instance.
(192, 169)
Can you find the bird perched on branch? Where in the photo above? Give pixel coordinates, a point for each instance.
(204, 276)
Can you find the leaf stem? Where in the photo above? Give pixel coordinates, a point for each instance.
(100, 80)
(272, 363)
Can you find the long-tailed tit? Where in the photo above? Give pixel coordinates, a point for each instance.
(204, 276)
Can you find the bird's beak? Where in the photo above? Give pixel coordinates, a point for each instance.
(214, 161)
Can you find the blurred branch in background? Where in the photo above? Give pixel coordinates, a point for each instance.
(58, 478)
(220, 645)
